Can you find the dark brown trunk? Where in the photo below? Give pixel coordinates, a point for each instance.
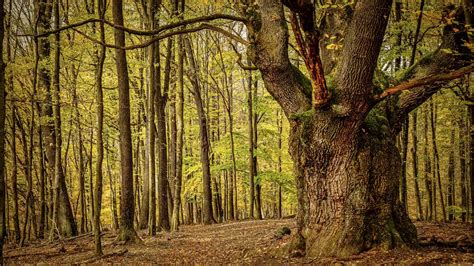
(127, 205)
(403, 179)
(250, 103)
(462, 162)
(258, 185)
(451, 182)
(414, 153)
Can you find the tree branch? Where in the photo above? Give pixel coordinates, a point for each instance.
(239, 61)
(309, 48)
(139, 32)
(203, 26)
(425, 81)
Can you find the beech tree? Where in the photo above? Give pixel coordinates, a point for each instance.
(127, 201)
(2, 133)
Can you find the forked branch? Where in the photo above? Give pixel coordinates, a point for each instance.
(303, 22)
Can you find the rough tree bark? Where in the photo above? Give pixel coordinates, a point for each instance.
(346, 164)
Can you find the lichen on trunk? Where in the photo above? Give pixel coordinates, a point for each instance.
(347, 188)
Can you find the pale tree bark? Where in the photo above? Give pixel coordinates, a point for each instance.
(179, 124)
(206, 171)
(14, 186)
(164, 199)
(127, 205)
(149, 189)
(100, 128)
(62, 211)
(2, 132)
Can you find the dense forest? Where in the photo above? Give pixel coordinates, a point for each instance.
(124, 121)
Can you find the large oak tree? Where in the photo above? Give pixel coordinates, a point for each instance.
(342, 137)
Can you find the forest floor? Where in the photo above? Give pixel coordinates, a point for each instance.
(249, 242)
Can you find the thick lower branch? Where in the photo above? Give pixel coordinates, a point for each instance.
(431, 79)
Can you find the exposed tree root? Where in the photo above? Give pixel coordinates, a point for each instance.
(463, 242)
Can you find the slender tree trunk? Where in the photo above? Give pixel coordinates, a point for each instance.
(258, 185)
(427, 168)
(451, 181)
(100, 128)
(127, 205)
(2, 133)
(280, 132)
(149, 207)
(82, 202)
(414, 153)
(403, 180)
(91, 176)
(252, 173)
(62, 211)
(16, 222)
(471, 156)
(113, 197)
(414, 135)
(206, 171)
(179, 125)
(161, 100)
(436, 155)
(462, 170)
(27, 172)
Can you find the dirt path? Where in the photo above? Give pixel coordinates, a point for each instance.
(250, 242)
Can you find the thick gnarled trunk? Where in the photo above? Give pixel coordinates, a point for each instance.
(346, 164)
(347, 180)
